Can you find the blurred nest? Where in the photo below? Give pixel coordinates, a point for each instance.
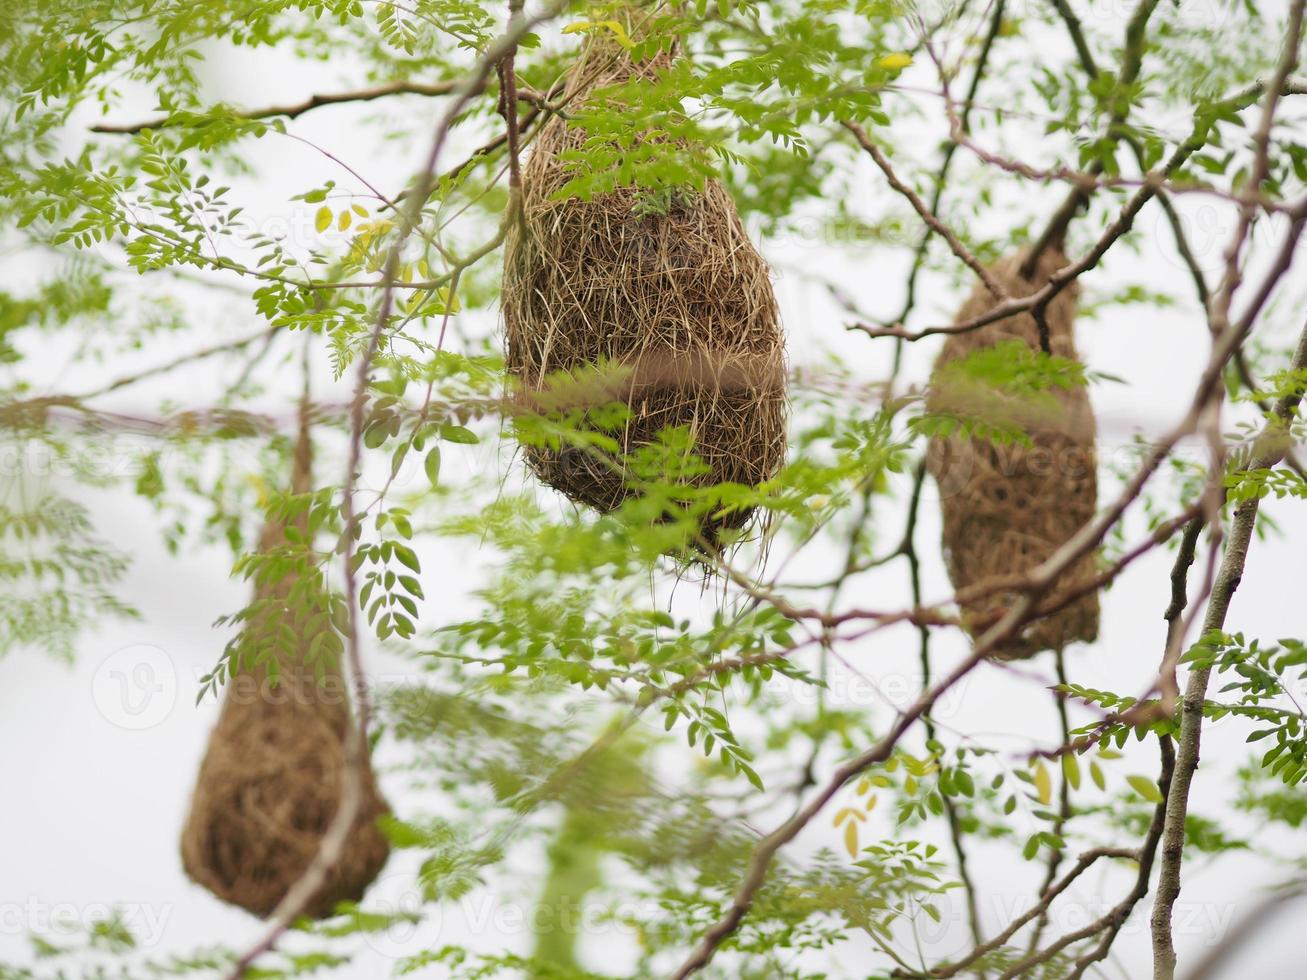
(671, 295)
(1009, 506)
(273, 773)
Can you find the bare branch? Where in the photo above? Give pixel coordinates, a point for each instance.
(918, 205)
(295, 109)
(1131, 62)
(1047, 896)
(1108, 925)
(941, 177)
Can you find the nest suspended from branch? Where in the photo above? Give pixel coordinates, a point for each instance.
(675, 297)
(1007, 507)
(273, 774)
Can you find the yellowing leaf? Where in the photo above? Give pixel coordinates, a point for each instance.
(896, 61)
(1096, 774)
(1071, 769)
(1043, 783)
(344, 221)
(323, 218)
(871, 803)
(618, 30)
(1145, 787)
(360, 210)
(851, 838)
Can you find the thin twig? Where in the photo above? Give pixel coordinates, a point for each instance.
(1108, 925)
(1064, 798)
(206, 352)
(1131, 63)
(941, 177)
(295, 109)
(918, 205)
(1046, 899)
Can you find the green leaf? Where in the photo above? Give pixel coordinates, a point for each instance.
(374, 436)
(458, 434)
(407, 557)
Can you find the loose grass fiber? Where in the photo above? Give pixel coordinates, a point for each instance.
(1008, 507)
(676, 297)
(272, 776)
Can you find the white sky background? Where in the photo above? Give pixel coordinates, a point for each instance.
(96, 795)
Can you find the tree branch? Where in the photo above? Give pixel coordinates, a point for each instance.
(1109, 924)
(1191, 718)
(918, 205)
(941, 177)
(295, 109)
(1131, 62)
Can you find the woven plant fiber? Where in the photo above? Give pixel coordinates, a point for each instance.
(673, 297)
(1006, 507)
(272, 775)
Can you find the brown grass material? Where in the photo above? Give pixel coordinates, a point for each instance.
(680, 299)
(272, 776)
(1008, 507)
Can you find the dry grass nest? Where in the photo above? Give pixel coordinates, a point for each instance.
(1008, 507)
(675, 296)
(271, 781)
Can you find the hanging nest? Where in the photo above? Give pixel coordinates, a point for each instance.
(274, 770)
(674, 298)
(1007, 506)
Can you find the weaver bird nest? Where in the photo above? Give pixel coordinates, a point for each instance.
(274, 771)
(675, 298)
(1008, 506)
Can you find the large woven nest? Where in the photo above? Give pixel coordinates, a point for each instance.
(675, 297)
(1008, 506)
(272, 777)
